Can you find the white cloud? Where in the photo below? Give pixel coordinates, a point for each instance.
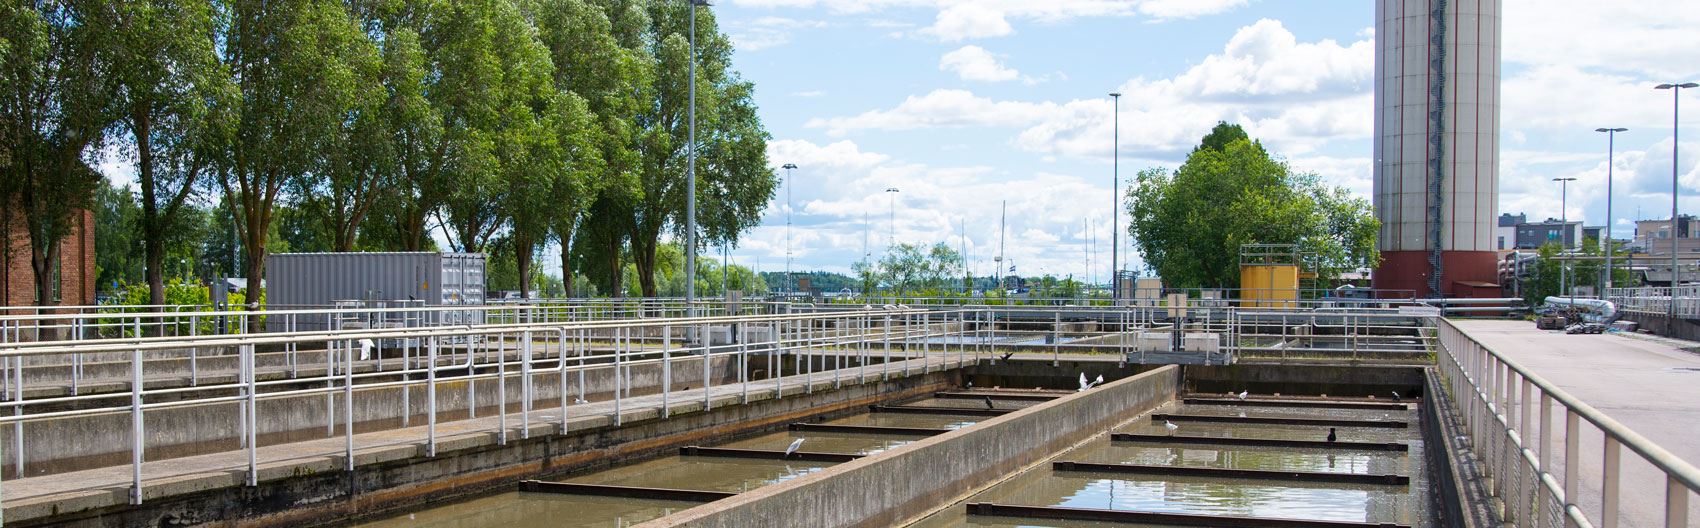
(1294, 95)
(1649, 37)
(974, 63)
(968, 21)
(809, 93)
(767, 32)
(1172, 9)
(844, 200)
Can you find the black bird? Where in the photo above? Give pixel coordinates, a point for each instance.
(1331, 436)
(1006, 356)
(1395, 396)
(989, 404)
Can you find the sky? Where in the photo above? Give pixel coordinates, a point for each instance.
(967, 107)
(987, 109)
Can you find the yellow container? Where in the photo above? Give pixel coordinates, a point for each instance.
(1269, 286)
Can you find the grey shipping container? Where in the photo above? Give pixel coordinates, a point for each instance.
(325, 280)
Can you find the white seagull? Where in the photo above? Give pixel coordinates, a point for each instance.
(793, 448)
(365, 349)
(1170, 426)
(1083, 384)
(1243, 394)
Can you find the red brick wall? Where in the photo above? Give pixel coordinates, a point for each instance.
(77, 268)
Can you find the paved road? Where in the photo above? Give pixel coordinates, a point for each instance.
(1649, 384)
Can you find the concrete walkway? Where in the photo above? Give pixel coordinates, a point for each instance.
(1649, 384)
(36, 497)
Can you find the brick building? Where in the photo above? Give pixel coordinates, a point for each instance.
(75, 265)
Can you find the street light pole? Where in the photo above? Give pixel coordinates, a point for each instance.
(1675, 274)
(1115, 192)
(1563, 223)
(691, 174)
(1611, 149)
(790, 281)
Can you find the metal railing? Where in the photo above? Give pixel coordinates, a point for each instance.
(1507, 412)
(1657, 300)
(526, 374)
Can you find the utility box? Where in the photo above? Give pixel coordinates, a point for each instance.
(394, 279)
(1269, 276)
(1208, 343)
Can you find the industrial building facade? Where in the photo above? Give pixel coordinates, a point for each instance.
(74, 265)
(1436, 146)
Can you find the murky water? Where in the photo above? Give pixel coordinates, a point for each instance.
(1407, 505)
(524, 510)
(537, 510)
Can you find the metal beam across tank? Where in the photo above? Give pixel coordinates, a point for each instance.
(1210, 472)
(1266, 420)
(1312, 404)
(600, 490)
(913, 409)
(1170, 519)
(997, 395)
(762, 454)
(1259, 442)
(867, 429)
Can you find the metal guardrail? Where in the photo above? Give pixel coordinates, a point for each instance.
(529, 354)
(1508, 413)
(1658, 300)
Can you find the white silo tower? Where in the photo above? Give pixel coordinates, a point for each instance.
(1437, 71)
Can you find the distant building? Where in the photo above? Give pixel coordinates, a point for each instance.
(1647, 231)
(1505, 233)
(73, 267)
(1533, 235)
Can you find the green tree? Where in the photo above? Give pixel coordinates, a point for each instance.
(590, 62)
(56, 94)
(399, 217)
(115, 219)
(304, 68)
(734, 181)
(174, 102)
(1190, 225)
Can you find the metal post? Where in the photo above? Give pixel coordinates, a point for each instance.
(618, 379)
(702, 338)
(348, 405)
(666, 370)
(1115, 192)
(691, 180)
(431, 400)
(1609, 488)
(137, 427)
(1572, 461)
(1676, 502)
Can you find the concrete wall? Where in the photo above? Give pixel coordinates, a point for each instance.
(1305, 379)
(910, 481)
(315, 491)
(1661, 324)
(73, 443)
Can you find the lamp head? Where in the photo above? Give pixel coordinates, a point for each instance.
(1619, 129)
(788, 166)
(891, 189)
(1115, 94)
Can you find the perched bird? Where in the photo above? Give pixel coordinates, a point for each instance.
(889, 307)
(989, 404)
(580, 401)
(1083, 384)
(1331, 436)
(1395, 396)
(1243, 394)
(970, 384)
(1097, 382)
(1170, 426)
(867, 307)
(365, 349)
(793, 447)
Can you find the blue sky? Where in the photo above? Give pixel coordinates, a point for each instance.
(963, 104)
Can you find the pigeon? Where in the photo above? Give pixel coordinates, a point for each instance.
(1170, 426)
(1243, 394)
(989, 404)
(1331, 437)
(1395, 396)
(793, 447)
(365, 349)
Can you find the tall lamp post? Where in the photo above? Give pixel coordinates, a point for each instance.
(1675, 272)
(691, 174)
(790, 281)
(1564, 223)
(1115, 191)
(1611, 149)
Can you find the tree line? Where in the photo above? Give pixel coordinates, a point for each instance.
(500, 126)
